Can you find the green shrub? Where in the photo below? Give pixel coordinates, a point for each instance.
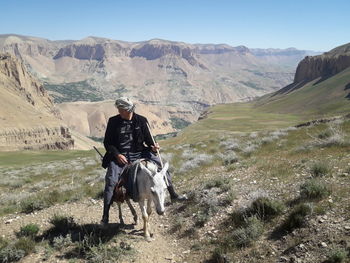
(102, 253)
(266, 208)
(314, 189)
(230, 158)
(247, 234)
(337, 256)
(25, 244)
(11, 254)
(30, 230)
(62, 224)
(222, 183)
(228, 199)
(61, 242)
(320, 169)
(30, 205)
(297, 217)
(202, 218)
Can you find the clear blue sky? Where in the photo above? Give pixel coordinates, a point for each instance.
(318, 25)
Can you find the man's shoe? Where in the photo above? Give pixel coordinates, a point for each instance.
(179, 198)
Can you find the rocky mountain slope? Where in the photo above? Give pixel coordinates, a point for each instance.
(325, 65)
(320, 88)
(156, 72)
(28, 118)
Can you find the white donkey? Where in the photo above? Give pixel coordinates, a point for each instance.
(151, 187)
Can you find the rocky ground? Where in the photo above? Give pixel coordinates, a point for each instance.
(164, 247)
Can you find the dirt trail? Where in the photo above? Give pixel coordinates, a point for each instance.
(163, 247)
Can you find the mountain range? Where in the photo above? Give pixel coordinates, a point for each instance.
(74, 71)
(178, 78)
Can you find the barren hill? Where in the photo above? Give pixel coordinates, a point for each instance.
(28, 118)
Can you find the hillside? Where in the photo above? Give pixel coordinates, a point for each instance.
(275, 195)
(322, 89)
(28, 117)
(155, 72)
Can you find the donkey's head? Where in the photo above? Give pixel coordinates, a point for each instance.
(158, 189)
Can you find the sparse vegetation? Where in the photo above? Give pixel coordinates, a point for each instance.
(249, 167)
(179, 123)
(320, 169)
(248, 233)
(30, 230)
(314, 189)
(265, 208)
(75, 91)
(62, 224)
(337, 255)
(297, 218)
(230, 158)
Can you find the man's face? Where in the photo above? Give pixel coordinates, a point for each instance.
(124, 113)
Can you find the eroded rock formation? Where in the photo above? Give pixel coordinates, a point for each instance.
(324, 66)
(28, 118)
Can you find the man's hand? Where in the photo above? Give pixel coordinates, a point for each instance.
(155, 147)
(121, 159)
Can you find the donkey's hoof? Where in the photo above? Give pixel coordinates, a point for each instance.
(148, 239)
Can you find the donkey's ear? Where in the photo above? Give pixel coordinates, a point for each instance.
(165, 168)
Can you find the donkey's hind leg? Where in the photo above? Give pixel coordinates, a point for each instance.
(132, 210)
(120, 213)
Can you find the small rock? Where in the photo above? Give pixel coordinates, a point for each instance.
(9, 221)
(323, 244)
(347, 227)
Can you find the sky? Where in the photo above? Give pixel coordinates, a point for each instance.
(303, 24)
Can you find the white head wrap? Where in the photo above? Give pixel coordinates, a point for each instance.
(125, 103)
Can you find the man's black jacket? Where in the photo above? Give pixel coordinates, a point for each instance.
(141, 136)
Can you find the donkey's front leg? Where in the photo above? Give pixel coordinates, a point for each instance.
(132, 210)
(145, 220)
(120, 213)
(149, 212)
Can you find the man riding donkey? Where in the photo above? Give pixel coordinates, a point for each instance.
(126, 136)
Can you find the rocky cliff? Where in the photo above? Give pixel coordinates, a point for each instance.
(28, 118)
(324, 66)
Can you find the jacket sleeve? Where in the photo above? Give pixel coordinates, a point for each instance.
(108, 139)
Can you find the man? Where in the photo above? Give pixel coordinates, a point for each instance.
(127, 139)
